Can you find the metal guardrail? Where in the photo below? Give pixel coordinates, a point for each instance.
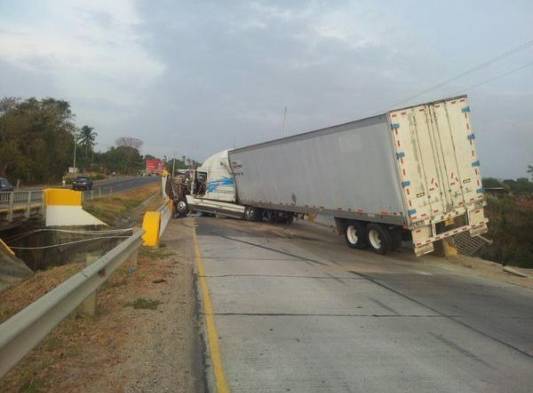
(166, 214)
(22, 332)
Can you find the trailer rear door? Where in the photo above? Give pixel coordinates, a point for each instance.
(437, 158)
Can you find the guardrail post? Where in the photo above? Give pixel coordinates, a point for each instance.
(11, 206)
(28, 206)
(88, 307)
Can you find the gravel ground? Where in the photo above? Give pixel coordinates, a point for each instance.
(165, 354)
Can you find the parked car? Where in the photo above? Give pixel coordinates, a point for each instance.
(5, 185)
(82, 183)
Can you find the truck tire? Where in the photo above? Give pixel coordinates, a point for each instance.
(355, 235)
(182, 209)
(379, 238)
(252, 213)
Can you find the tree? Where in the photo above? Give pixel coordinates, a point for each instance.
(87, 137)
(36, 138)
(129, 141)
(122, 159)
(530, 170)
(8, 103)
(491, 182)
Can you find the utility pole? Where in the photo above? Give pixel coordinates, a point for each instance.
(74, 161)
(173, 165)
(284, 123)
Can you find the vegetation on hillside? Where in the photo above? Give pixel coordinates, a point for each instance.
(510, 222)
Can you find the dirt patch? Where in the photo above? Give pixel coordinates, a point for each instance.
(143, 339)
(488, 269)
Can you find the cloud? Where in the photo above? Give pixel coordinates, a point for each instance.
(196, 77)
(89, 48)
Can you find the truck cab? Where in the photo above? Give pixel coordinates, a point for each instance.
(213, 188)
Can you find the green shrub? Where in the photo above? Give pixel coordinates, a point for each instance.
(511, 229)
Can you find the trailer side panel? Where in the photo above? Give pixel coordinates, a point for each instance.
(346, 170)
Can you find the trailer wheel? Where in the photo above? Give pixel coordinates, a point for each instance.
(355, 235)
(182, 209)
(379, 238)
(251, 214)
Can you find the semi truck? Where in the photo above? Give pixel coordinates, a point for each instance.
(408, 174)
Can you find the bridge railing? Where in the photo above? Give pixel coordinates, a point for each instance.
(20, 197)
(19, 203)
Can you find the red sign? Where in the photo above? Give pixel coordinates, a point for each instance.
(154, 166)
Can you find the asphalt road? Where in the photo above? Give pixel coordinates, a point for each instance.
(123, 184)
(296, 310)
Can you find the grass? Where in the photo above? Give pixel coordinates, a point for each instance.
(31, 386)
(142, 303)
(113, 208)
(18, 296)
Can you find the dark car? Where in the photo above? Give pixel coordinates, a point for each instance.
(5, 185)
(82, 183)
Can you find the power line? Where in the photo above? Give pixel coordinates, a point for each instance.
(499, 76)
(469, 71)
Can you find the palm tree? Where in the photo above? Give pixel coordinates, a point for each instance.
(86, 139)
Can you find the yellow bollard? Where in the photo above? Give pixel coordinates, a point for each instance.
(151, 223)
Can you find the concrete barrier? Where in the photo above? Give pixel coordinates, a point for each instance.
(62, 196)
(64, 208)
(155, 223)
(151, 225)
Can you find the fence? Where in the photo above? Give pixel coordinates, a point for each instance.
(22, 332)
(98, 192)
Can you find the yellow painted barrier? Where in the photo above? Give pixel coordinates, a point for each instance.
(6, 247)
(151, 223)
(61, 196)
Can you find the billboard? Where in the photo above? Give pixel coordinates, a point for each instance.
(155, 166)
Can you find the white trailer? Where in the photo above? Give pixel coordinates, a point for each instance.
(408, 173)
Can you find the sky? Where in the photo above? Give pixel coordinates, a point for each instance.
(196, 77)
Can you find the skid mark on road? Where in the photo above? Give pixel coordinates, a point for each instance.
(208, 312)
(451, 318)
(383, 305)
(460, 349)
(303, 259)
